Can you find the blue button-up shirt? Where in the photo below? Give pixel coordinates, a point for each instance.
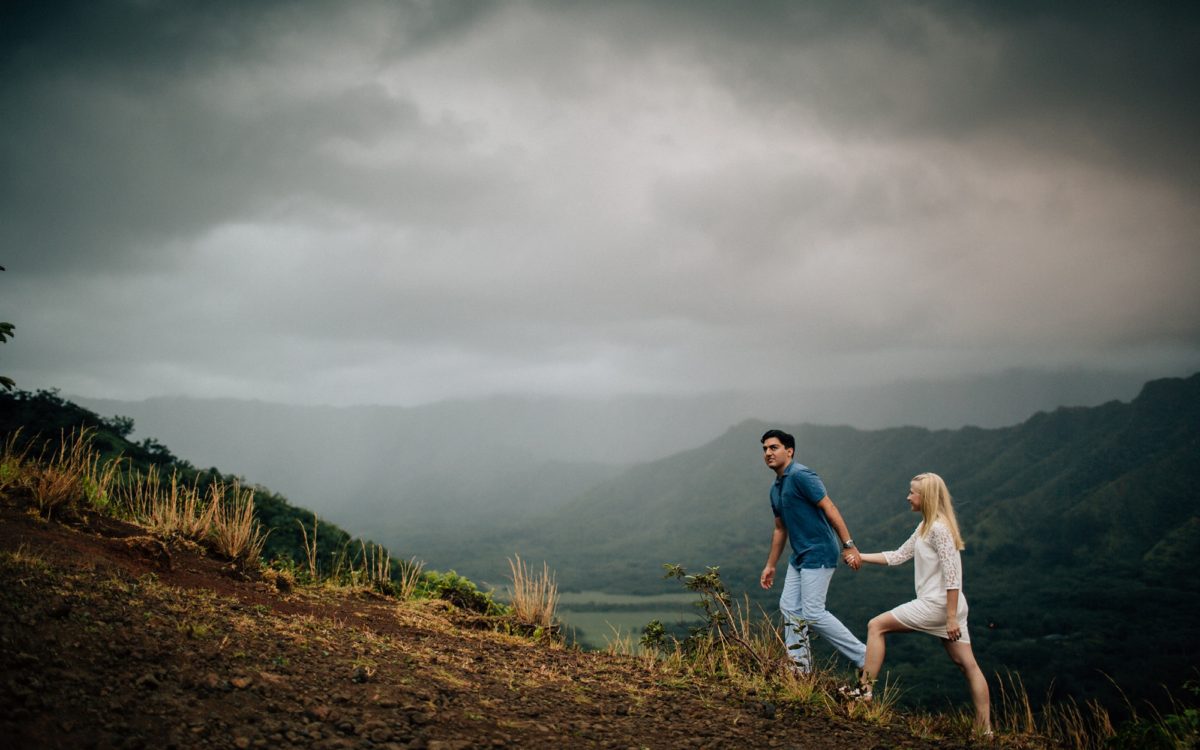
(794, 498)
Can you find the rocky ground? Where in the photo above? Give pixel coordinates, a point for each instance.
(110, 638)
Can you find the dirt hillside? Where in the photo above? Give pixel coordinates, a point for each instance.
(113, 639)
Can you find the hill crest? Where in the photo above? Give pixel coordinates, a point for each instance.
(116, 639)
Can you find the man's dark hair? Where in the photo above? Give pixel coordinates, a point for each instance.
(787, 440)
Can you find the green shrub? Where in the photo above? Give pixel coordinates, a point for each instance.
(462, 593)
(1175, 731)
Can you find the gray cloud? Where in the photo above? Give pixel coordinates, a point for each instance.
(407, 201)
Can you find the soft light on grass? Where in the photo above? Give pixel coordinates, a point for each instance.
(12, 462)
(881, 709)
(73, 475)
(1065, 724)
(408, 577)
(623, 644)
(377, 564)
(170, 509)
(310, 548)
(534, 597)
(235, 533)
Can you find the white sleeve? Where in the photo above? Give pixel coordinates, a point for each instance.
(904, 554)
(948, 557)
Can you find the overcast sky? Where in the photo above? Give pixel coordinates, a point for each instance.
(399, 202)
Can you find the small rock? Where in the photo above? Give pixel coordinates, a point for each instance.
(147, 682)
(360, 674)
(241, 683)
(241, 743)
(380, 735)
(318, 713)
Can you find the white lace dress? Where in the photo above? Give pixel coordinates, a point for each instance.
(937, 567)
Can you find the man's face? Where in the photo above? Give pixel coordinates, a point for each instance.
(775, 455)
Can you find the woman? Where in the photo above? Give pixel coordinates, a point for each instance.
(940, 607)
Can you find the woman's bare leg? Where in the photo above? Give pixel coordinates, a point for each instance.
(961, 654)
(877, 629)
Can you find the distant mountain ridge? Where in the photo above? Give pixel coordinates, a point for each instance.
(1082, 526)
(408, 466)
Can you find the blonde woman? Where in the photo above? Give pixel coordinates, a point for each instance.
(940, 608)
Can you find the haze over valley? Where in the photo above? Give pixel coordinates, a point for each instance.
(437, 468)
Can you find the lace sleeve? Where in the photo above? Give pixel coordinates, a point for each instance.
(904, 554)
(951, 562)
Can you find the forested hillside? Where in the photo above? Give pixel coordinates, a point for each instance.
(1081, 528)
(37, 422)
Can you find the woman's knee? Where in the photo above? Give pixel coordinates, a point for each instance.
(960, 653)
(877, 625)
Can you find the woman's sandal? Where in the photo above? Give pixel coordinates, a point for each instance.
(861, 694)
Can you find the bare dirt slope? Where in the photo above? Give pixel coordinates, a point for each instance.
(112, 639)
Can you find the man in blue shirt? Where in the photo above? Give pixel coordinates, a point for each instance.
(808, 519)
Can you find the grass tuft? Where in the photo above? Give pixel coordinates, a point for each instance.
(234, 532)
(73, 477)
(534, 596)
(408, 578)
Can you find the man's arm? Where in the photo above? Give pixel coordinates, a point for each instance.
(778, 538)
(851, 556)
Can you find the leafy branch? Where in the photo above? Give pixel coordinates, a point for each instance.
(722, 625)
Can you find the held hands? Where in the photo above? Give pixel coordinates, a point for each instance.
(853, 558)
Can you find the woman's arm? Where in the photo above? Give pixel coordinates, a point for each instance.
(894, 557)
(875, 558)
(953, 632)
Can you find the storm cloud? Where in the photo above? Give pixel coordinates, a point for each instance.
(398, 202)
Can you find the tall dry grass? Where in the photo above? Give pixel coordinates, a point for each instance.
(377, 564)
(310, 548)
(221, 516)
(534, 595)
(234, 532)
(12, 461)
(408, 577)
(168, 508)
(73, 477)
(1065, 724)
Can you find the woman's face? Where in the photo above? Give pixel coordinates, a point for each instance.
(914, 498)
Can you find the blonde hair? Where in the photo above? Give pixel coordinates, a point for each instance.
(936, 503)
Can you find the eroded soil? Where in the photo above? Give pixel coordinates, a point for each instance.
(113, 639)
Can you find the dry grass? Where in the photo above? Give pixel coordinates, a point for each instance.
(12, 462)
(234, 532)
(534, 596)
(310, 548)
(170, 509)
(72, 477)
(223, 516)
(408, 577)
(1063, 724)
(377, 564)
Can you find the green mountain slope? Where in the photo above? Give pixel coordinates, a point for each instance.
(1081, 525)
(37, 422)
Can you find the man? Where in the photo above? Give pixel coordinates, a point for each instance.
(808, 519)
